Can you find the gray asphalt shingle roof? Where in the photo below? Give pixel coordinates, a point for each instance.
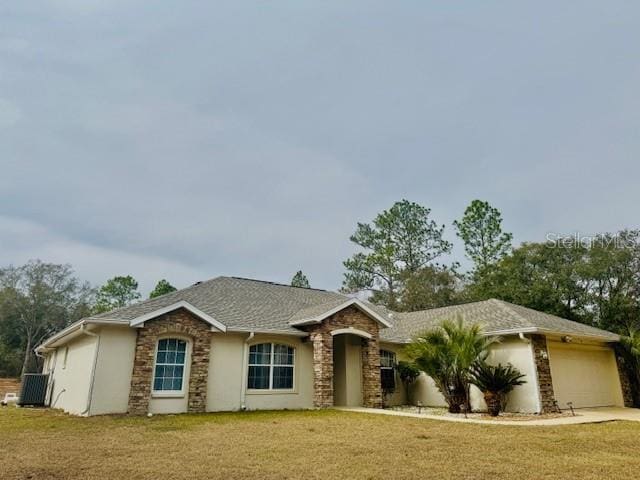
(495, 316)
(246, 304)
(238, 303)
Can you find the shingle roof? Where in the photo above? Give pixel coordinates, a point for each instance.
(254, 305)
(495, 316)
(239, 303)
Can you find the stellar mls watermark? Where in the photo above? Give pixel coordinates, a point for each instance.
(579, 239)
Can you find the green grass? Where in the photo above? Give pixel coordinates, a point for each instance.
(312, 445)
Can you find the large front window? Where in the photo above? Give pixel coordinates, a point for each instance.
(271, 367)
(170, 359)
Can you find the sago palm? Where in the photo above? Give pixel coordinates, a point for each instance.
(495, 382)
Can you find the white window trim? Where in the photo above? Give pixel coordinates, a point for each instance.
(271, 365)
(393, 355)
(185, 371)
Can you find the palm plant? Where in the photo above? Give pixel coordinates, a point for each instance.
(446, 353)
(408, 374)
(630, 344)
(495, 382)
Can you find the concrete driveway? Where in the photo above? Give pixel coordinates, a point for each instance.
(605, 414)
(583, 415)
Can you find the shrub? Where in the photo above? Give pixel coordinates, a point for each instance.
(495, 382)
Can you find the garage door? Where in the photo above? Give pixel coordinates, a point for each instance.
(587, 376)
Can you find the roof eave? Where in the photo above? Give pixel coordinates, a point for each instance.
(611, 337)
(266, 331)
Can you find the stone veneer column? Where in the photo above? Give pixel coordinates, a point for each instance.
(322, 369)
(543, 369)
(371, 383)
(183, 324)
(322, 340)
(625, 382)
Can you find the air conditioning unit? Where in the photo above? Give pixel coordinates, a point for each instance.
(34, 390)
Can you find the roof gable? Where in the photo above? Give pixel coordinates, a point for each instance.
(318, 313)
(215, 324)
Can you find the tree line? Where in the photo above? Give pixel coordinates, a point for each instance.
(594, 280)
(400, 264)
(38, 299)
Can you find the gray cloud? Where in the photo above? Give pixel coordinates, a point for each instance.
(195, 139)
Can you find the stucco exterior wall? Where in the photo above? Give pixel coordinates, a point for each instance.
(511, 350)
(113, 370)
(69, 383)
(399, 397)
(228, 375)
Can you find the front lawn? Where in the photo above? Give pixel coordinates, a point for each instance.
(311, 445)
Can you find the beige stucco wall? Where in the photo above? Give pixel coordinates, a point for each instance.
(228, 375)
(510, 350)
(347, 370)
(113, 370)
(69, 384)
(398, 397)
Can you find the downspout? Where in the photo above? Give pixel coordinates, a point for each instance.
(523, 338)
(84, 330)
(245, 363)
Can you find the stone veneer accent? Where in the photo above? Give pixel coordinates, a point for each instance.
(322, 341)
(543, 368)
(183, 324)
(625, 383)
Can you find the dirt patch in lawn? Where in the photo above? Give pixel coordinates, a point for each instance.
(311, 445)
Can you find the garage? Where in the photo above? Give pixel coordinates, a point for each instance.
(585, 375)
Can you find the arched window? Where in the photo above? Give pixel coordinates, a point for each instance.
(169, 370)
(271, 367)
(387, 370)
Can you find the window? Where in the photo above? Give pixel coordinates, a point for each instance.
(387, 370)
(271, 367)
(169, 371)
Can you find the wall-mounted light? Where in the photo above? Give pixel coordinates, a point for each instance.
(566, 339)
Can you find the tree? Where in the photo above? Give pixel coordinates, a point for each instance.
(613, 279)
(430, 287)
(630, 351)
(541, 276)
(116, 293)
(596, 281)
(162, 288)
(398, 243)
(300, 280)
(36, 300)
(447, 353)
(481, 231)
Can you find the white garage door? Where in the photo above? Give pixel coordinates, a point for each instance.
(587, 376)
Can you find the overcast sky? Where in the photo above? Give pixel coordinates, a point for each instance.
(187, 140)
